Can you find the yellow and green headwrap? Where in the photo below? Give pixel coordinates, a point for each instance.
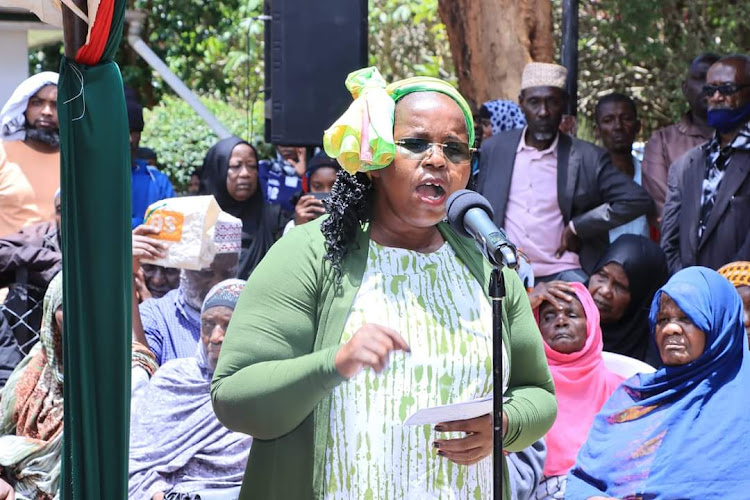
(362, 138)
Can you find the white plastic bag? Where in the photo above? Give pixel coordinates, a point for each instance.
(186, 225)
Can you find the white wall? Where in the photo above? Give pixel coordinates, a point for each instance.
(14, 61)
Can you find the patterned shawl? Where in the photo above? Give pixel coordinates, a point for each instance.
(177, 443)
(31, 411)
(682, 431)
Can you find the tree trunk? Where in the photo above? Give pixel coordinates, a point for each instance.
(492, 40)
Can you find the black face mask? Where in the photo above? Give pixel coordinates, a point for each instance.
(45, 136)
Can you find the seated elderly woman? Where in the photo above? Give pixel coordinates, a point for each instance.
(622, 285)
(178, 447)
(738, 273)
(31, 411)
(573, 345)
(682, 431)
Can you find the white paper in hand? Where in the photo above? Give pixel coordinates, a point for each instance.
(450, 413)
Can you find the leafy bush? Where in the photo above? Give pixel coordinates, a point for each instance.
(643, 48)
(181, 138)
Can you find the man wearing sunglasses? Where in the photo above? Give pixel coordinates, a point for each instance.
(556, 196)
(707, 211)
(668, 144)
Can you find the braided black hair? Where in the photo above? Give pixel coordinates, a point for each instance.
(349, 208)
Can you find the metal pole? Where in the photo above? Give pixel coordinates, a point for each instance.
(497, 293)
(135, 24)
(569, 52)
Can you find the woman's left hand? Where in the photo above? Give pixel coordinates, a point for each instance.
(476, 445)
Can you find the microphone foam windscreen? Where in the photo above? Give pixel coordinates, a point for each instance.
(459, 203)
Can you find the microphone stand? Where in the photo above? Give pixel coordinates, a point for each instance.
(497, 294)
(499, 253)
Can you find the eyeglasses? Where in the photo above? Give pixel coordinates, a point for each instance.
(725, 89)
(454, 152)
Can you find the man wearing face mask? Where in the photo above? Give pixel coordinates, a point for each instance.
(668, 144)
(556, 196)
(29, 154)
(171, 325)
(705, 220)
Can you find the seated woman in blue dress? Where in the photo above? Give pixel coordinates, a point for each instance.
(682, 431)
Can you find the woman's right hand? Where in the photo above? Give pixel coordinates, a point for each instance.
(554, 292)
(370, 347)
(145, 247)
(6, 491)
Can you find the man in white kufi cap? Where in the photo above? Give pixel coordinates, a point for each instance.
(556, 196)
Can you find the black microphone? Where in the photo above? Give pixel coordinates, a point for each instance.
(470, 215)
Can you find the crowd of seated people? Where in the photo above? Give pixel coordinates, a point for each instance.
(622, 285)
(615, 229)
(678, 432)
(178, 447)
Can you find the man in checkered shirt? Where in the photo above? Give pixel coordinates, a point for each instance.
(707, 213)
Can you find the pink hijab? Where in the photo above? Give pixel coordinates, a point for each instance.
(582, 385)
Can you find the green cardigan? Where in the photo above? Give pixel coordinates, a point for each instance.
(276, 370)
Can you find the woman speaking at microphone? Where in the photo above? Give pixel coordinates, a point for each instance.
(354, 321)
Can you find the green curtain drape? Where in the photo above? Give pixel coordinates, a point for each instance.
(95, 162)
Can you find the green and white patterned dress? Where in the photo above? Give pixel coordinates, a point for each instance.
(441, 310)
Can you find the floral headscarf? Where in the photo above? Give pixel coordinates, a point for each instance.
(362, 138)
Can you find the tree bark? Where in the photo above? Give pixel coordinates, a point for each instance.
(492, 40)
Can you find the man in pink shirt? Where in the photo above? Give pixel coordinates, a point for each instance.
(556, 196)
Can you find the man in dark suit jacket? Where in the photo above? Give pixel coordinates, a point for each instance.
(706, 218)
(555, 195)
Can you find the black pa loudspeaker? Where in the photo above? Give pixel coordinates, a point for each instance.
(310, 48)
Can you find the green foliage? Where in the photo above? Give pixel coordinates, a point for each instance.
(639, 47)
(643, 48)
(214, 46)
(407, 38)
(181, 138)
(45, 58)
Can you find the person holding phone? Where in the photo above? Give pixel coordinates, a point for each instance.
(280, 178)
(320, 176)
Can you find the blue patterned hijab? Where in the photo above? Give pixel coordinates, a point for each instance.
(504, 115)
(683, 431)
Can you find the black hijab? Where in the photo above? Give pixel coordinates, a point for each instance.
(260, 222)
(646, 268)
